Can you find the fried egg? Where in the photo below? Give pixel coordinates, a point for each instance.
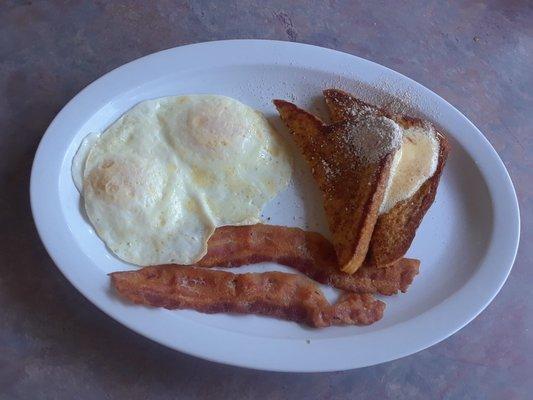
(161, 178)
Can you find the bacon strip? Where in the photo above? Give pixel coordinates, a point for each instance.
(277, 294)
(307, 252)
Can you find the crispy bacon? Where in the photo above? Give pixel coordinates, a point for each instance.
(307, 252)
(277, 294)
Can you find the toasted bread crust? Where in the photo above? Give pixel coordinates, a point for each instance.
(396, 229)
(352, 190)
(341, 105)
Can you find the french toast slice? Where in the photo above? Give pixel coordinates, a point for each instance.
(352, 184)
(395, 229)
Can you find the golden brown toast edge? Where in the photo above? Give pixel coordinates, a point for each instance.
(396, 229)
(351, 200)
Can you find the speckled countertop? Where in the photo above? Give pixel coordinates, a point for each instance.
(54, 344)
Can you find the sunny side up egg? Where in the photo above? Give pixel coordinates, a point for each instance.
(161, 178)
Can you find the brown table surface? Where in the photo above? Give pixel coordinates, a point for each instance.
(54, 344)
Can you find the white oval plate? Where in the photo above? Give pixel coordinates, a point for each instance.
(467, 242)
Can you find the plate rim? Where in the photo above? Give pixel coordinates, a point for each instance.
(41, 199)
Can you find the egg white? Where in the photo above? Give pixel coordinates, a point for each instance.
(161, 178)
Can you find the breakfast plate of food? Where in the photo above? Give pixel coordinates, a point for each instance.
(275, 205)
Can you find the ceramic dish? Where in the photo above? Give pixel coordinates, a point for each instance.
(467, 242)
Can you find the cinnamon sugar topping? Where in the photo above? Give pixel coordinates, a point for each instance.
(372, 137)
